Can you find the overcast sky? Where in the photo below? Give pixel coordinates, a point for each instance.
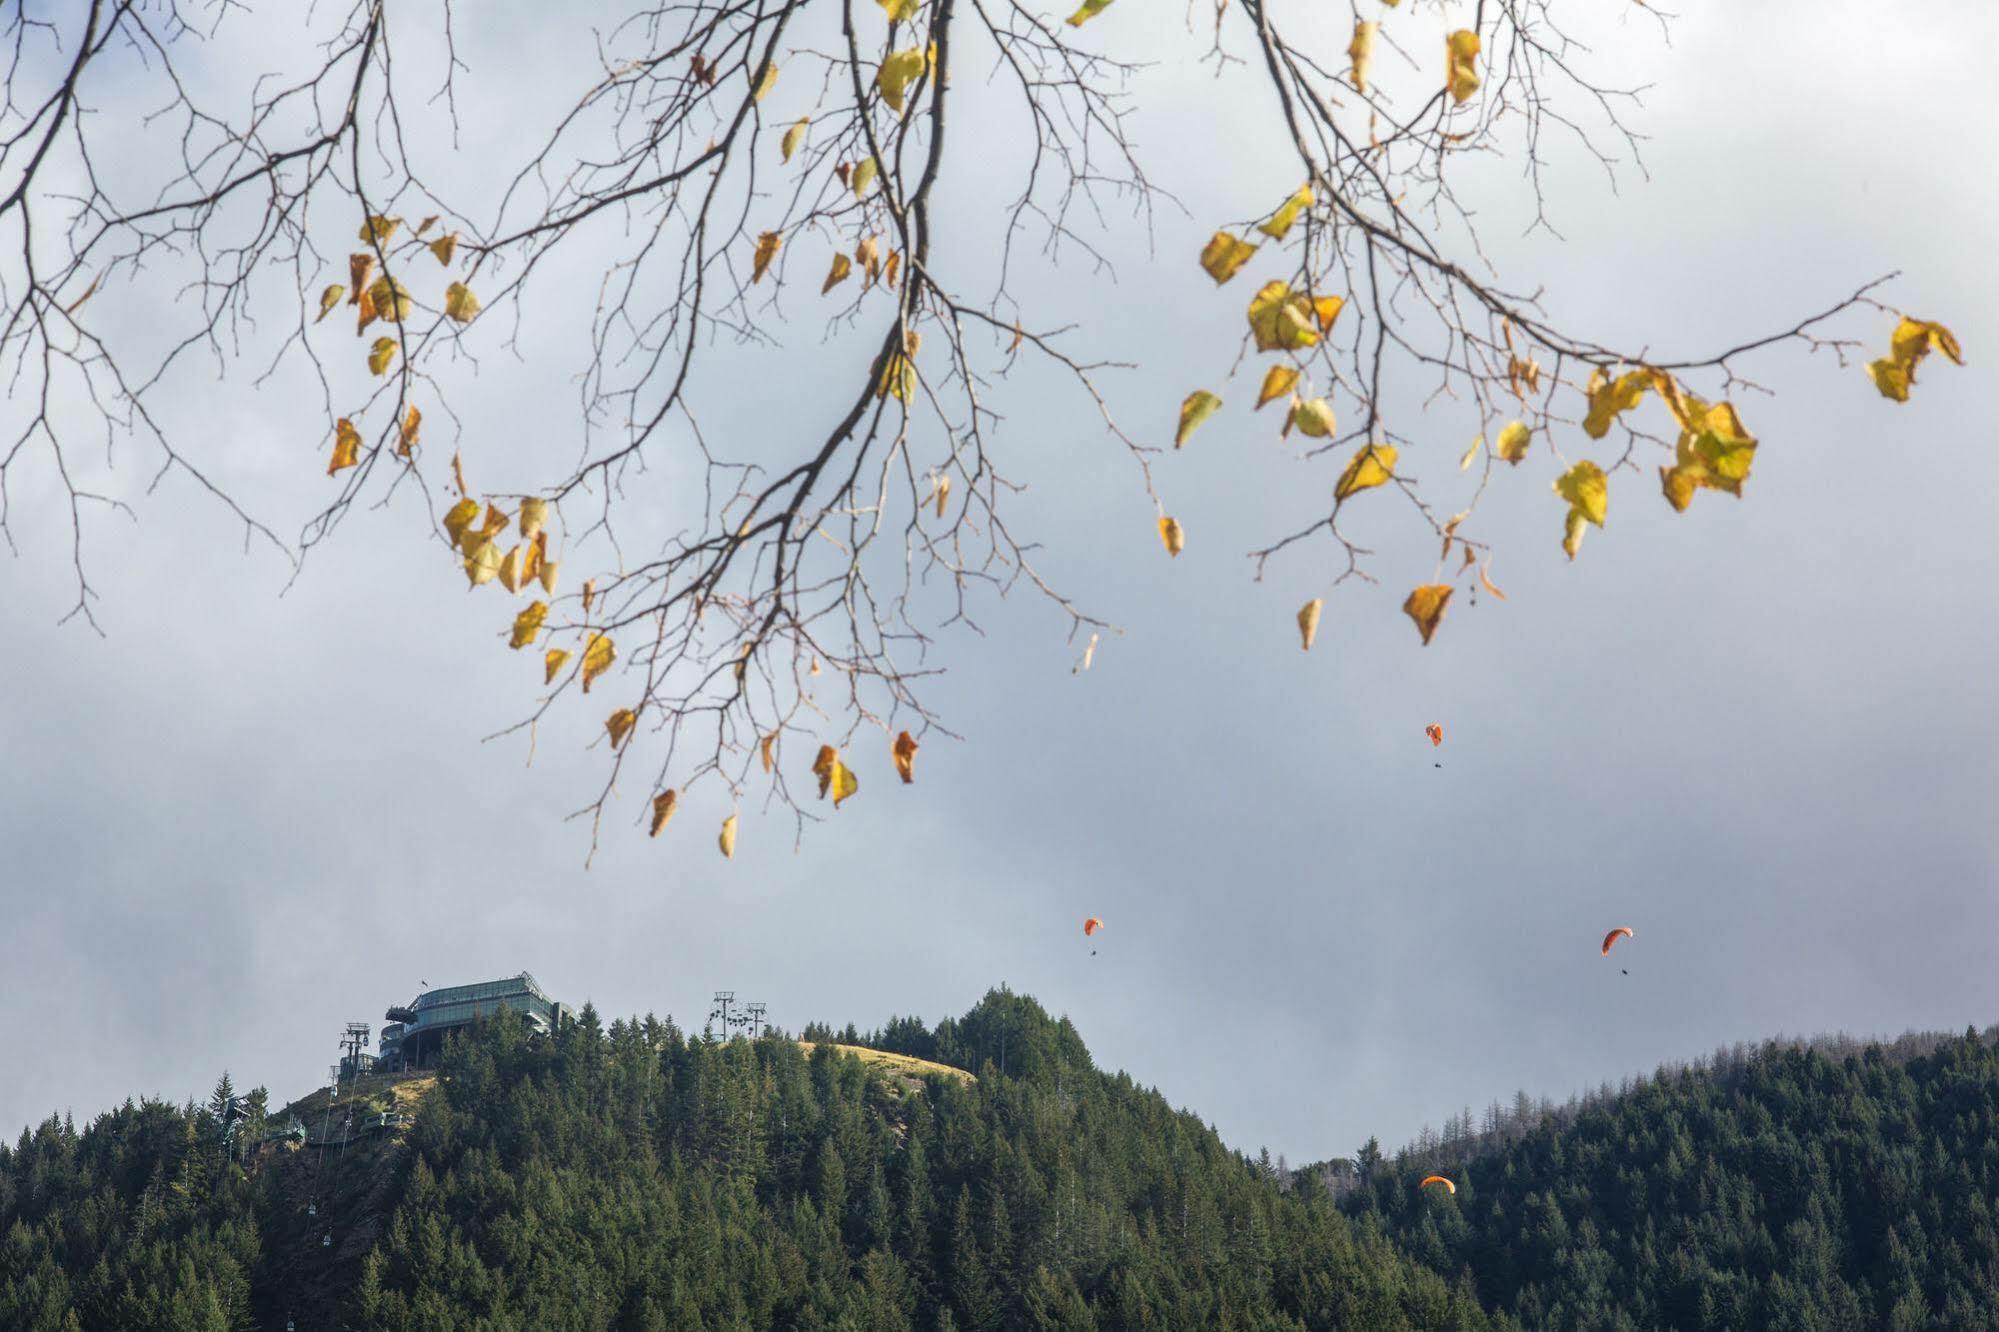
(1760, 733)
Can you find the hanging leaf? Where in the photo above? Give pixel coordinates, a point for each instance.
(1485, 578)
(552, 663)
(534, 516)
(411, 425)
(597, 658)
(381, 354)
(1907, 346)
(904, 754)
(589, 593)
(482, 563)
(766, 745)
(1308, 621)
(445, 247)
(1326, 309)
(528, 624)
(1609, 397)
(1426, 607)
(727, 841)
(662, 810)
(1573, 527)
(1586, 489)
(1279, 224)
(458, 475)
(548, 573)
(943, 494)
(1224, 254)
(378, 230)
(1090, 9)
(889, 272)
(767, 245)
(1197, 407)
(767, 82)
(359, 267)
(1371, 466)
(1470, 453)
(346, 446)
(459, 517)
(868, 255)
(837, 274)
(898, 70)
(459, 303)
(512, 576)
(1714, 452)
(900, 11)
(1461, 57)
(329, 298)
(1314, 418)
(1361, 52)
(620, 724)
(792, 138)
(389, 299)
(1171, 536)
(1281, 319)
(1512, 442)
(1277, 382)
(864, 176)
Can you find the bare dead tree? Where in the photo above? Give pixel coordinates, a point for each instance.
(805, 603)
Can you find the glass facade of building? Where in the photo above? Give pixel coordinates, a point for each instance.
(458, 1005)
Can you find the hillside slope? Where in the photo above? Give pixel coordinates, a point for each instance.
(1796, 1188)
(631, 1178)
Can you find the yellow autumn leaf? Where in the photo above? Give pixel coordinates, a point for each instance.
(1471, 452)
(589, 593)
(346, 446)
(511, 575)
(1573, 528)
(1281, 221)
(1326, 309)
(1171, 535)
(864, 176)
(552, 664)
(533, 517)
(823, 764)
(444, 247)
(548, 573)
(1608, 397)
(389, 299)
(482, 562)
(1277, 382)
(378, 230)
(1461, 72)
(620, 724)
(381, 354)
(496, 520)
(1586, 489)
(459, 517)
(766, 251)
(1911, 341)
(837, 274)
(1714, 452)
(1485, 578)
(898, 378)
(329, 298)
(868, 255)
(727, 841)
(1426, 607)
(1198, 407)
(527, 624)
(766, 83)
(1361, 52)
(1224, 254)
(765, 746)
(792, 138)
(894, 264)
(898, 70)
(1513, 440)
(662, 810)
(459, 303)
(1371, 466)
(900, 11)
(408, 431)
(1281, 319)
(597, 658)
(1314, 418)
(1308, 621)
(845, 783)
(1891, 377)
(904, 754)
(1089, 10)
(359, 267)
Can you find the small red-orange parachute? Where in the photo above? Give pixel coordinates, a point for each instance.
(1428, 1180)
(1091, 926)
(1611, 938)
(1436, 734)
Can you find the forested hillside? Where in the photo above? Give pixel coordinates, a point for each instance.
(1829, 1185)
(632, 1178)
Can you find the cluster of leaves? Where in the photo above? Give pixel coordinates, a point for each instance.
(1800, 1187)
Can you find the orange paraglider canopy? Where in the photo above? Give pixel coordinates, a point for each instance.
(1428, 1180)
(1436, 734)
(1091, 926)
(1611, 938)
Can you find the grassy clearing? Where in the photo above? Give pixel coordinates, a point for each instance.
(897, 1063)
